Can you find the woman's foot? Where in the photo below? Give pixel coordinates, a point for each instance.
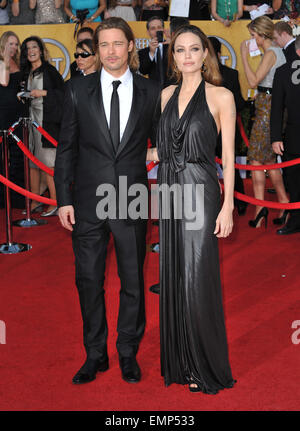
(193, 387)
(51, 211)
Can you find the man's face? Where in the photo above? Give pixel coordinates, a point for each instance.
(279, 39)
(154, 26)
(113, 49)
(84, 35)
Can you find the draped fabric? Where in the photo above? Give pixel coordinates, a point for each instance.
(193, 337)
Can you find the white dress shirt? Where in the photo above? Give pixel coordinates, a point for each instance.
(154, 57)
(125, 92)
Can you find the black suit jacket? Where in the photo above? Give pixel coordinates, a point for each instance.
(290, 53)
(286, 94)
(149, 67)
(231, 82)
(85, 155)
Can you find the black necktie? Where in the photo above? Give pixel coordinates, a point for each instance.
(114, 123)
(160, 68)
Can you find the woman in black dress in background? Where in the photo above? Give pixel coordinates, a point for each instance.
(11, 110)
(193, 337)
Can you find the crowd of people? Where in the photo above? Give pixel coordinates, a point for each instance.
(87, 11)
(103, 117)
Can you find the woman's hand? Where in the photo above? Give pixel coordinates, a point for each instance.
(244, 48)
(6, 54)
(227, 23)
(38, 93)
(224, 223)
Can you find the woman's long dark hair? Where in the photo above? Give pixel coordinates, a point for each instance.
(25, 64)
(211, 72)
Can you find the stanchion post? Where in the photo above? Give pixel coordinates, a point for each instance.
(28, 222)
(9, 247)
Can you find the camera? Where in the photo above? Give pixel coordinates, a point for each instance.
(160, 36)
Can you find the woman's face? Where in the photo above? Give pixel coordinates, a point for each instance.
(13, 44)
(87, 64)
(189, 53)
(33, 51)
(259, 39)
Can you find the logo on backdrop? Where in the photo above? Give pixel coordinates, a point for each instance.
(59, 54)
(228, 56)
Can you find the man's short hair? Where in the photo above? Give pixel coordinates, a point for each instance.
(177, 22)
(283, 27)
(216, 44)
(297, 43)
(86, 30)
(153, 18)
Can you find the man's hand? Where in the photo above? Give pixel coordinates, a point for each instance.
(66, 216)
(278, 147)
(153, 44)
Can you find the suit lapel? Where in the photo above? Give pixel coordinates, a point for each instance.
(97, 108)
(136, 109)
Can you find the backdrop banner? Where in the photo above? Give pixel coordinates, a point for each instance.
(61, 45)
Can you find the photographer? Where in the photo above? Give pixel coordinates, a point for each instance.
(154, 59)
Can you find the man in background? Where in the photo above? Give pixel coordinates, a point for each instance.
(286, 95)
(283, 36)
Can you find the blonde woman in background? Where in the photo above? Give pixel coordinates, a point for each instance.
(260, 150)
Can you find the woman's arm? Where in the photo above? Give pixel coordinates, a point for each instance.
(268, 61)
(4, 74)
(240, 9)
(32, 4)
(15, 8)
(5, 67)
(68, 11)
(227, 116)
(101, 8)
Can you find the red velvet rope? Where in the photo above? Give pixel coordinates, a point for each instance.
(36, 161)
(242, 130)
(263, 167)
(24, 192)
(45, 134)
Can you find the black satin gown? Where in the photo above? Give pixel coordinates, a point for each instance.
(192, 329)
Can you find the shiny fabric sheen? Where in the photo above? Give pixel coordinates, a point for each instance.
(193, 336)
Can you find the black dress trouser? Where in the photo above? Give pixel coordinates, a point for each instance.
(293, 184)
(90, 242)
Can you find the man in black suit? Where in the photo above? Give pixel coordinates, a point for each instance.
(154, 58)
(102, 148)
(283, 36)
(286, 94)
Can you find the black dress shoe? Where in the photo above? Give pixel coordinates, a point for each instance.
(130, 369)
(88, 371)
(287, 230)
(155, 288)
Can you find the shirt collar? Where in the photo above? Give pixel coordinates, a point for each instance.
(289, 42)
(107, 78)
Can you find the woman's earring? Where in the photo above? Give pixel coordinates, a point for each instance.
(203, 67)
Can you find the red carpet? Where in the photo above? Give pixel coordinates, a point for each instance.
(43, 350)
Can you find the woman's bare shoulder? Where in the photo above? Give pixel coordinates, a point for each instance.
(166, 94)
(218, 93)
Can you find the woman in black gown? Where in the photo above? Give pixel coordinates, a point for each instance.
(193, 337)
(10, 111)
